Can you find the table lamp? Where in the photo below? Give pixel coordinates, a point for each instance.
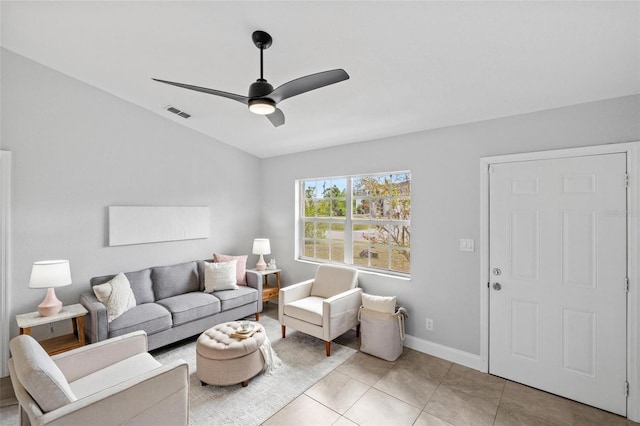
(261, 246)
(50, 274)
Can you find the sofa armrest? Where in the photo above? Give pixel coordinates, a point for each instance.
(160, 396)
(88, 359)
(340, 313)
(256, 280)
(96, 325)
(291, 293)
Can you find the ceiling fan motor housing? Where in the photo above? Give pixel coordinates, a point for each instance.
(260, 88)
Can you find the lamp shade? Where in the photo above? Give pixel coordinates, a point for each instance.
(50, 273)
(261, 246)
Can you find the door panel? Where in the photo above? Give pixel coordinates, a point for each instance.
(557, 321)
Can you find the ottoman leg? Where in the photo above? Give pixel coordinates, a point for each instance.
(202, 383)
(245, 383)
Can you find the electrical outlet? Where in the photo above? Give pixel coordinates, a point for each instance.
(429, 324)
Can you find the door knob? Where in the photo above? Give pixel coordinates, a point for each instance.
(497, 286)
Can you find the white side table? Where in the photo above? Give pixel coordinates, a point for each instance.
(58, 344)
(268, 291)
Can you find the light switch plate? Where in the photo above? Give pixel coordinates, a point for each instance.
(467, 245)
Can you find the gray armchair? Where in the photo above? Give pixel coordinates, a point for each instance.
(325, 306)
(115, 381)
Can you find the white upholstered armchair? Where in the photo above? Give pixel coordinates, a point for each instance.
(325, 306)
(111, 382)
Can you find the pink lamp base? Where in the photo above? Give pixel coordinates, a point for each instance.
(261, 265)
(50, 305)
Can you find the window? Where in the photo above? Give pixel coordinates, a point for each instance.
(363, 221)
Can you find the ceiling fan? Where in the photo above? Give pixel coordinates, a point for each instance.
(263, 98)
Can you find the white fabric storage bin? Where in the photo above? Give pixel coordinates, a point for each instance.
(381, 334)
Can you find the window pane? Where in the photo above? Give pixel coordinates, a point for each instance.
(321, 229)
(376, 185)
(322, 250)
(361, 234)
(323, 208)
(400, 236)
(309, 248)
(339, 208)
(377, 208)
(400, 209)
(310, 189)
(360, 208)
(378, 234)
(401, 184)
(379, 258)
(308, 230)
(358, 186)
(361, 254)
(309, 208)
(337, 250)
(341, 185)
(400, 261)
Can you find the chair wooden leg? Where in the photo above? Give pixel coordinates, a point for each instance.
(257, 316)
(358, 330)
(327, 346)
(284, 330)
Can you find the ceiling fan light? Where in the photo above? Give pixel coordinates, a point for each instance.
(262, 106)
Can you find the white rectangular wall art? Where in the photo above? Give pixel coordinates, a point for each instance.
(152, 224)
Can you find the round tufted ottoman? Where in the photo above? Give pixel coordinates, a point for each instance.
(225, 360)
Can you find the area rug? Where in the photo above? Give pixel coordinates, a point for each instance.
(303, 363)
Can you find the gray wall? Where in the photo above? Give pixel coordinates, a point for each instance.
(76, 150)
(445, 187)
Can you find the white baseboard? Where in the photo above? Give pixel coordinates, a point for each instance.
(445, 352)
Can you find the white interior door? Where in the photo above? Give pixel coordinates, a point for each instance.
(558, 261)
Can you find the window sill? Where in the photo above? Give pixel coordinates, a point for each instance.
(360, 270)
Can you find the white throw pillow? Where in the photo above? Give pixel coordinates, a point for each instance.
(220, 276)
(386, 304)
(116, 295)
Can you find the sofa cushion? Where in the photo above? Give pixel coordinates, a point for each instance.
(331, 280)
(113, 375)
(220, 276)
(190, 306)
(308, 309)
(241, 266)
(169, 281)
(233, 298)
(150, 317)
(140, 284)
(39, 375)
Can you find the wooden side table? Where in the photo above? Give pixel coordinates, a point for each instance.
(269, 291)
(58, 344)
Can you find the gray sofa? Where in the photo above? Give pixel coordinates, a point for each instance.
(170, 304)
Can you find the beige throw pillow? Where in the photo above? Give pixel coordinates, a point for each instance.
(220, 276)
(116, 295)
(386, 304)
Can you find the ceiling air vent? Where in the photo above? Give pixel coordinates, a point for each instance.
(176, 111)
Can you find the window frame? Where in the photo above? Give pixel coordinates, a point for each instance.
(347, 222)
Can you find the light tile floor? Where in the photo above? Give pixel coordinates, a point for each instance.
(416, 389)
(422, 390)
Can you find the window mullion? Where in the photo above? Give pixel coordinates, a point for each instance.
(348, 228)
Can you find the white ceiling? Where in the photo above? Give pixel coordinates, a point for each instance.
(413, 65)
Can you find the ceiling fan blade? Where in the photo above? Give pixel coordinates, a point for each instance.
(276, 118)
(239, 98)
(306, 84)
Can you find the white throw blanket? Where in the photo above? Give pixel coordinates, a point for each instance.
(271, 360)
